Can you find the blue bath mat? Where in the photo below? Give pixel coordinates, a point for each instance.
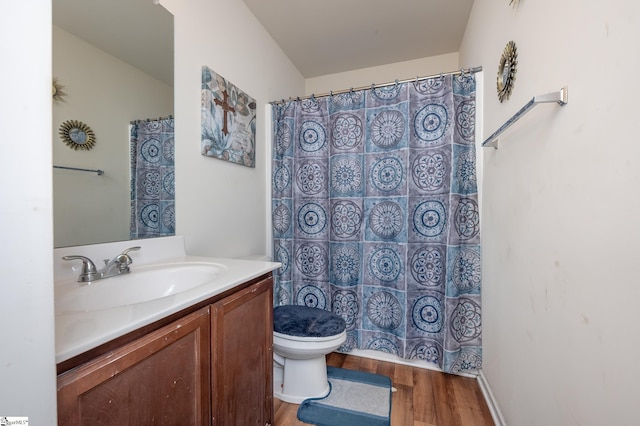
(356, 398)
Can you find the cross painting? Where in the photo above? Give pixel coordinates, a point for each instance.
(228, 128)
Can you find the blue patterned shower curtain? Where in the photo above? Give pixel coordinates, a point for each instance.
(375, 216)
(152, 178)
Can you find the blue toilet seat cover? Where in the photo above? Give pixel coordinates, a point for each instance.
(303, 321)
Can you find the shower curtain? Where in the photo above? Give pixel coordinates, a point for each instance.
(375, 216)
(152, 178)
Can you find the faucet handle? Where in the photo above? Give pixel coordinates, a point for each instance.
(123, 260)
(89, 271)
(136, 248)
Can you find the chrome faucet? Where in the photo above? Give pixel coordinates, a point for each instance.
(119, 265)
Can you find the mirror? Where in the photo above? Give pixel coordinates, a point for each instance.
(112, 64)
(77, 135)
(506, 71)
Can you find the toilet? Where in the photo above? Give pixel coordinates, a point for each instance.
(302, 337)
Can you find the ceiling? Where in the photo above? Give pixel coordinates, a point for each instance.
(330, 36)
(319, 37)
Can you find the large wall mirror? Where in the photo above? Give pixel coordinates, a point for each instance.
(112, 64)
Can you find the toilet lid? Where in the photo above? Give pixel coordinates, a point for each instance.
(303, 321)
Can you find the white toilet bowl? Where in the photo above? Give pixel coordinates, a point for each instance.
(300, 369)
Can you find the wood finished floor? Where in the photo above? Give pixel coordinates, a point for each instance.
(424, 397)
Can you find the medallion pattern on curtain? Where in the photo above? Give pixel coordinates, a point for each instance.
(375, 216)
(152, 178)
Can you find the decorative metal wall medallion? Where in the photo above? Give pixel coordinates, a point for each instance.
(58, 91)
(507, 71)
(77, 135)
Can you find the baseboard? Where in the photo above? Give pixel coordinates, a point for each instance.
(492, 403)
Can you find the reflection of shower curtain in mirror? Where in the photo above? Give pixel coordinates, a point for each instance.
(375, 217)
(152, 178)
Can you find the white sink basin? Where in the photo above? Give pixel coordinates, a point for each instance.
(142, 284)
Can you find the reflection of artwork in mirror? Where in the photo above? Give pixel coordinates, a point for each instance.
(507, 71)
(228, 126)
(77, 135)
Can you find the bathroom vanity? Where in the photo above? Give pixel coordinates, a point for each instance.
(199, 357)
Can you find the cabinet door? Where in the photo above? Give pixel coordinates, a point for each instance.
(161, 379)
(242, 362)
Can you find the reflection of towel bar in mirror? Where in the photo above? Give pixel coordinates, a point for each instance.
(561, 97)
(98, 171)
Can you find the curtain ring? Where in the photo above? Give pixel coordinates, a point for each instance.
(313, 96)
(331, 93)
(373, 86)
(416, 79)
(441, 76)
(396, 82)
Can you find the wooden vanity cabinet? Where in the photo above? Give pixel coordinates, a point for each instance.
(211, 366)
(161, 378)
(242, 361)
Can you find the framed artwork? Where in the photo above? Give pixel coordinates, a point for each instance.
(228, 124)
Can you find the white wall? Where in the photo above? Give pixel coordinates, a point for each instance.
(221, 207)
(105, 94)
(382, 74)
(560, 211)
(27, 365)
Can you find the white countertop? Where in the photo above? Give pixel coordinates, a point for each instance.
(77, 332)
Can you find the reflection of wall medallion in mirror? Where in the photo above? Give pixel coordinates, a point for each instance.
(228, 127)
(77, 135)
(58, 91)
(507, 71)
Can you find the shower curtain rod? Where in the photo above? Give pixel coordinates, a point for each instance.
(375, 86)
(168, 117)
